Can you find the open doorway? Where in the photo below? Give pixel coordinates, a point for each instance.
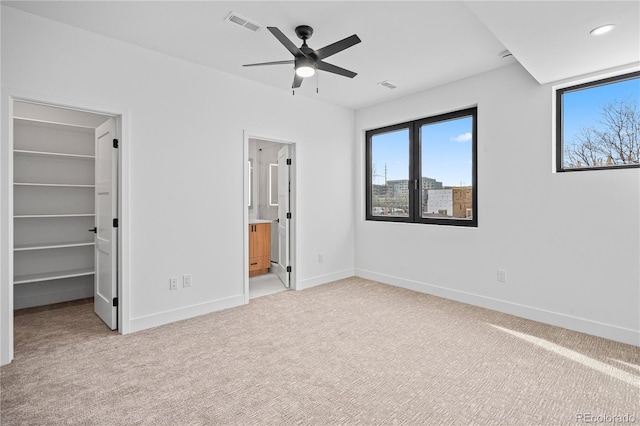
(65, 208)
(270, 201)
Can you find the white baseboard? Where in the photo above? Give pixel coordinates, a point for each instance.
(162, 318)
(32, 300)
(323, 279)
(595, 328)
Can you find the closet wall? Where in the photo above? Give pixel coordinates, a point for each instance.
(53, 165)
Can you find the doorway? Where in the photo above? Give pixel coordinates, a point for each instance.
(270, 194)
(65, 207)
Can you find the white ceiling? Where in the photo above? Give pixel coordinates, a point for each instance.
(414, 45)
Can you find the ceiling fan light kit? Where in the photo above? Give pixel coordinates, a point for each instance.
(306, 60)
(305, 67)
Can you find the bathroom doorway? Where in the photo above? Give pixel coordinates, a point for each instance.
(271, 218)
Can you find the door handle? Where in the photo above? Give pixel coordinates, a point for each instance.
(94, 230)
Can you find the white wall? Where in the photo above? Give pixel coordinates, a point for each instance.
(186, 148)
(568, 262)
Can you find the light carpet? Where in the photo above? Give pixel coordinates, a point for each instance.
(348, 352)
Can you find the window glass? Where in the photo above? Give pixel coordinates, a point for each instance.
(446, 159)
(599, 124)
(390, 173)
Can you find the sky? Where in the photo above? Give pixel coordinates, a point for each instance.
(582, 107)
(446, 146)
(446, 153)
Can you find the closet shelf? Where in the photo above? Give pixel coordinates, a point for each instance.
(26, 216)
(58, 275)
(53, 154)
(62, 185)
(26, 247)
(53, 124)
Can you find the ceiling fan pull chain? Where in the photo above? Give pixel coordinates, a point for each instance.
(317, 80)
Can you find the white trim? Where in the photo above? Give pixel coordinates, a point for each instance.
(327, 278)
(172, 315)
(6, 231)
(58, 296)
(608, 331)
(10, 95)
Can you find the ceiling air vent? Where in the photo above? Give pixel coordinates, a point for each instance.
(242, 21)
(387, 84)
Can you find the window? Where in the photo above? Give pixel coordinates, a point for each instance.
(598, 124)
(424, 171)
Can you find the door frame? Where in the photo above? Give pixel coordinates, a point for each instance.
(6, 207)
(293, 235)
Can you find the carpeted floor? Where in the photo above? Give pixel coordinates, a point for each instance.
(349, 352)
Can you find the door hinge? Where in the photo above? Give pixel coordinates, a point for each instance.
(115, 143)
(288, 268)
(288, 161)
(115, 301)
(289, 215)
(115, 223)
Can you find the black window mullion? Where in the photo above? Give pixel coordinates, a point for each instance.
(414, 177)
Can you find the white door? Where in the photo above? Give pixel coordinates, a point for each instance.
(284, 221)
(106, 285)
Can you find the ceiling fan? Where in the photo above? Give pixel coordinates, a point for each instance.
(307, 60)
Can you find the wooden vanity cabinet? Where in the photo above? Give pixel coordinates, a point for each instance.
(259, 248)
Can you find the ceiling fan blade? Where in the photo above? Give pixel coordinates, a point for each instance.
(295, 51)
(297, 81)
(324, 66)
(338, 46)
(269, 63)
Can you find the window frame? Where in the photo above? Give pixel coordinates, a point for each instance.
(415, 173)
(560, 122)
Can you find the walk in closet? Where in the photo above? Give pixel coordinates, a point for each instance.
(53, 204)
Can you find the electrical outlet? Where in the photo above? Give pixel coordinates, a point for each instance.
(173, 283)
(320, 257)
(186, 280)
(502, 275)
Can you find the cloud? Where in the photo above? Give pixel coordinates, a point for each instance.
(465, 137)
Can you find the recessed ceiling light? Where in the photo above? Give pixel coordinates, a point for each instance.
(603, 29)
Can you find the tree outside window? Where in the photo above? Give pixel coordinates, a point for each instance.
(599, 124)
